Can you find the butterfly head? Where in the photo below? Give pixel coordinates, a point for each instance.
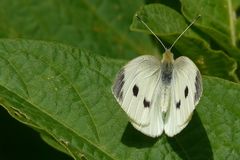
(168, 57)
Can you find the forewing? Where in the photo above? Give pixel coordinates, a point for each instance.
(134, 87)
(186, 90)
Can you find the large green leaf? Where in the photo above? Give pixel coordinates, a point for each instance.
(168, 24)
(100, 26)
(65, 94)
(218, 21)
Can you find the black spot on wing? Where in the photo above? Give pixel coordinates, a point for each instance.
(198, 87)
(166, 72)
(118, 85)
(146, 103)
(178, 104)
(135, 90)
(186, 92)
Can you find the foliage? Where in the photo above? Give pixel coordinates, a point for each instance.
(63, 91)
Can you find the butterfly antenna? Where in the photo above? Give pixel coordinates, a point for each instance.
(151, 31)
(185, 30)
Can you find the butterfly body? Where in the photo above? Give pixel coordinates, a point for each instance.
(158, 95)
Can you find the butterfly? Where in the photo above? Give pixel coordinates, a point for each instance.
(159, 96)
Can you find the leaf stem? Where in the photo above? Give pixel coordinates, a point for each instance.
(232, 18)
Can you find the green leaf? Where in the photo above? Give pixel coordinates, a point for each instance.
(59, 145)
(238, 28)
(65, 93)
(218, 21)
(100, 26)
(168, 24)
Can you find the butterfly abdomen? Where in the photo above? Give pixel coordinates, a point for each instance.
(166, 78)
(164, 98)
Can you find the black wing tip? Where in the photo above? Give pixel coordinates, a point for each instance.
(198, 87)
(118, 84)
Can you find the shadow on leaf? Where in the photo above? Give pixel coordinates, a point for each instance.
(192, 142)
(133, 138)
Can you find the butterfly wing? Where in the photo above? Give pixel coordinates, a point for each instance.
(186, 89)
(134, 88)
(155, 126)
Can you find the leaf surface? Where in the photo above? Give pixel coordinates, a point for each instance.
(65, 94)
(219, 21)
(100, 26)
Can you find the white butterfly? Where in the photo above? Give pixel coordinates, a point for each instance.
(159, 95)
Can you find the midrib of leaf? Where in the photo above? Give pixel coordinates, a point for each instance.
(122, 36)
(232, 18)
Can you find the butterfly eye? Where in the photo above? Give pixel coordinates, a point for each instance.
(186, 92)
(135, 90)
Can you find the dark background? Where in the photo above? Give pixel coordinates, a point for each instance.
(19, 142)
